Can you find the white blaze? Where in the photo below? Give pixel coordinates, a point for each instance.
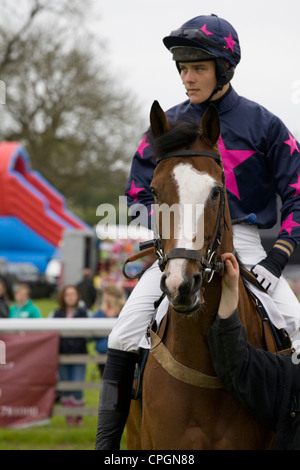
(193, 189)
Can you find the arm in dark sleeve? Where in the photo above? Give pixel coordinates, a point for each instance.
(254, 376)
(284, 163)
(139, 181)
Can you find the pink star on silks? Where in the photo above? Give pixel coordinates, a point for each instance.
(205, 30)
(296, 186)
(230, 42)
(292, 143)
(231, 159)
(288, 224)
(133, 192)
(142, 147)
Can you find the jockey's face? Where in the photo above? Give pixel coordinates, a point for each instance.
(199, 79)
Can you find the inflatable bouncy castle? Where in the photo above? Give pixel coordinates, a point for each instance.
(33, 214)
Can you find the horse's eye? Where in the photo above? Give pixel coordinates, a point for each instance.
(154, 192)
(215, 193)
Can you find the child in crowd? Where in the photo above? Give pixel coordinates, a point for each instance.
(113, 300)
(69, 307)
(23, 306)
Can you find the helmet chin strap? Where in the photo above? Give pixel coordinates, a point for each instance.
(217, 88)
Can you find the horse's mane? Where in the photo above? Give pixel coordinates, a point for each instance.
(182, 134)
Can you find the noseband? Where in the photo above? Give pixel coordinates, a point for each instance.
(209, 263)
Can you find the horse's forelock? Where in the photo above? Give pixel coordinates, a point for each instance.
(182, 134)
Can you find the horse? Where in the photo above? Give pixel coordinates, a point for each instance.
(184, 406)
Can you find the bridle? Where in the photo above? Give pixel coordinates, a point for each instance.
(212, 262)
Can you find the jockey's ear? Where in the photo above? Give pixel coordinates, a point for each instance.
(158, 120)
(211, 125)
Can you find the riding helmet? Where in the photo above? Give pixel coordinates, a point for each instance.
(207, 38)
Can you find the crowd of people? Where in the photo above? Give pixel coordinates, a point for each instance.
(82, 300)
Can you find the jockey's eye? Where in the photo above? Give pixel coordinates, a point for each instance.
(215, 193)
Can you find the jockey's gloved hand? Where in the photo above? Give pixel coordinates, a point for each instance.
(265, 278)
(268, 270)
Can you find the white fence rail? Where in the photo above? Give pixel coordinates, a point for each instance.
(87, 327)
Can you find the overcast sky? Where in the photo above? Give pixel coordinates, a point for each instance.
(269, 33)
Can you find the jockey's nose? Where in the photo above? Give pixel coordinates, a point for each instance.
(189, 76)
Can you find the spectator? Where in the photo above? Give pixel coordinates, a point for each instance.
(69, 307)
(4, 305)
(23, 306)
(87, 289)
(113, 300)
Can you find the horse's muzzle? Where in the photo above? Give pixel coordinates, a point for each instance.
(185, 298)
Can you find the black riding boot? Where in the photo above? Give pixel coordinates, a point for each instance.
(115, 397)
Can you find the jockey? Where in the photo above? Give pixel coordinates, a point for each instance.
(261, 161)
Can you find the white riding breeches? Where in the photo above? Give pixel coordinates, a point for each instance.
(283, 306)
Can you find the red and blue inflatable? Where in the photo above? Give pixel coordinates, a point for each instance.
(33, 214)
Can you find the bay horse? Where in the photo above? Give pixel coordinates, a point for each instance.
(184, 406)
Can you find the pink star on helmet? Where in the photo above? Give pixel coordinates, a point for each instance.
(205, 30)
(230, 42)
(133, 192)
(142, 147)
(231, 159)
(292, 143)
(296, 186)
(288, 224)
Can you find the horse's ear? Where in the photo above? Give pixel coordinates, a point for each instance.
(158, 120)
(211, 125)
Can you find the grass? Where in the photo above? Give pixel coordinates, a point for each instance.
(57, 435)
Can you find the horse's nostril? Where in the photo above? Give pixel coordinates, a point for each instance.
(191, 285)
(163, 285)
(163, 282)
(197, 282)
(181, 291)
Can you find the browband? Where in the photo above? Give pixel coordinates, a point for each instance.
(190, 153)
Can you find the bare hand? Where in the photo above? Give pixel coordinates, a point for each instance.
(230, 286)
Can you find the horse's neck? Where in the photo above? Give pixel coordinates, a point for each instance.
(186, 335)
(246, 307)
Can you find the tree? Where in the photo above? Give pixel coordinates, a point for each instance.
(62, 104)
